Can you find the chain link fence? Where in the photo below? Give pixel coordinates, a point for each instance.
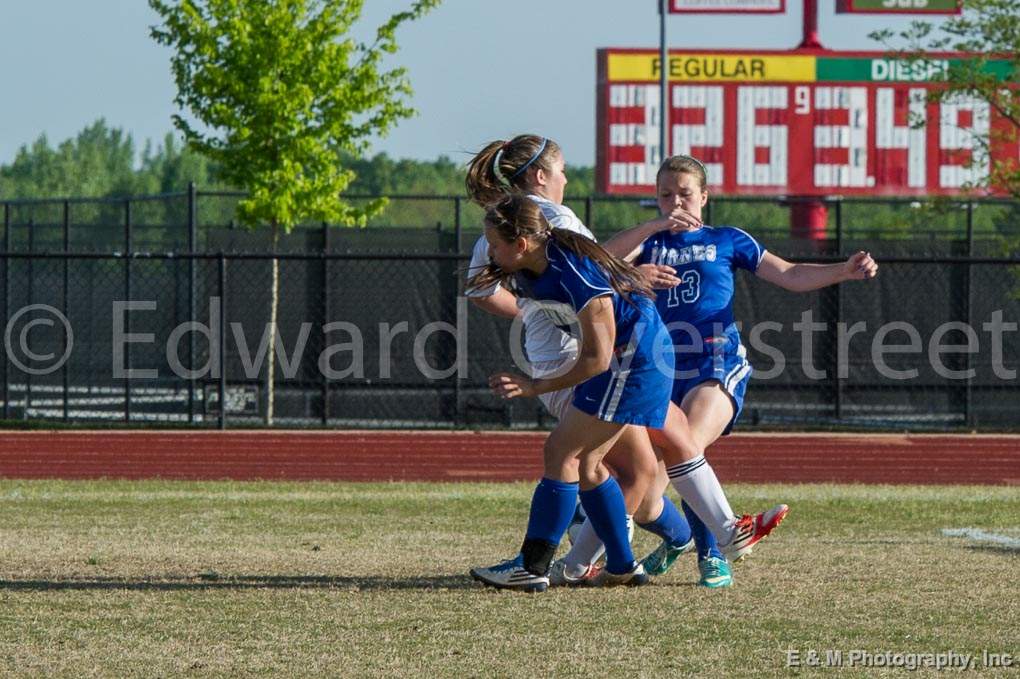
(156, 310)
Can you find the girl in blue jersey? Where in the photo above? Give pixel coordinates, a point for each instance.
(617, 320)
(622, 377)
(712, 371)
(534, 166)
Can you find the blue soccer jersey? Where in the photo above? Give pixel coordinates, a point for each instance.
(636, 389)
(705, 261)
(575, 280)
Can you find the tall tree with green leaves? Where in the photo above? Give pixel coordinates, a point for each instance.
(279, 92)
(989, 30)
(97, 162)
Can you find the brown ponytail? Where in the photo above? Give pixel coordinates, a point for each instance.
(487, 187)
(518, 216)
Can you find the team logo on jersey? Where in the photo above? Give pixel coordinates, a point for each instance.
(686, 255)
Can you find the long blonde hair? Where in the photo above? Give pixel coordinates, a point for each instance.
(518, 216)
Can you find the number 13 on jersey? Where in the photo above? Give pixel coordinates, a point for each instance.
(687, 291)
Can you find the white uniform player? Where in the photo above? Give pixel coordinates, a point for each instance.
(549, 347)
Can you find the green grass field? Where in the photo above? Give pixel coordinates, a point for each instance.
(147, 579)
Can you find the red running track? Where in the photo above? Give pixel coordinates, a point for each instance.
(488, 456)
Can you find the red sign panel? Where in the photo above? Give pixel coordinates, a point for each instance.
(726, 6)
(791, 123)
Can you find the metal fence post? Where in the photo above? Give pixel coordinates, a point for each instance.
(67, 288)
(458, 399)
(325, 318)
(31, 294)
(458, 396)
(587, 212)
(456, 223)
(459, 406)
(7, 301)
(968, 395)
(127, 317)
(839, 226)
(222, 340)
(192, 243)
(839, 313)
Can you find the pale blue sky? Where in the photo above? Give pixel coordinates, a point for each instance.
(481, 69)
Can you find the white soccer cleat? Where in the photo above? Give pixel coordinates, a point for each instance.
(558, 576)
(636, 577)
(511, 574)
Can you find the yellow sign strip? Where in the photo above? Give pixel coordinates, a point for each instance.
(712, 68)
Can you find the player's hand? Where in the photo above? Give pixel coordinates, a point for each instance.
(659, 276)
(682, 220)
(860, 266)
(509, 385)
(676, 221)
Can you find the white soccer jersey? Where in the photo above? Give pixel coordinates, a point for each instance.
(543, 341)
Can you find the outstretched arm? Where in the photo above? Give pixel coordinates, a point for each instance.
(626, 243)
(598, 335)
(804, 277)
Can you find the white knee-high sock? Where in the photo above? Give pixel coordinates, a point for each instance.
(588, 548)
(697, 484)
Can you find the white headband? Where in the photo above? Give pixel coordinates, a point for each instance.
(496, 171)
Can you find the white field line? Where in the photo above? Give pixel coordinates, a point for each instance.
(979, 535)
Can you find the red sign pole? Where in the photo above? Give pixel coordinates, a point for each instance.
(810, 40)
(664, 106)
(809, 216)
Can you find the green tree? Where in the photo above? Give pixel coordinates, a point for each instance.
(99, 161)
(990, 31)
(169, 168)
(279, 93)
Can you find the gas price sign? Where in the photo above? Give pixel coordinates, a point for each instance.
(792, 124)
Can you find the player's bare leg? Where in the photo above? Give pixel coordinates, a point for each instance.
(633, 470)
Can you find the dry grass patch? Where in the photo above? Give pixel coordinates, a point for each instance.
(143, 579)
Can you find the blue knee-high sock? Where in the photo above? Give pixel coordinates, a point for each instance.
(671, 525)
(703, 538)
(608, 515)
(552, 505)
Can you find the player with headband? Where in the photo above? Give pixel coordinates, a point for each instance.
(534, 166)
(697, 478)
